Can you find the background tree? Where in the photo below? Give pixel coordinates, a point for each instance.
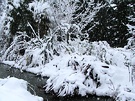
(104, 21)
(24, 21)
(84, 15)
(62, 18)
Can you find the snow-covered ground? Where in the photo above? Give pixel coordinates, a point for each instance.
(13, 89)
(82, 74)
(76, 68)
(105, 72)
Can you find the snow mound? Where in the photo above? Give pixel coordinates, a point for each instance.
(13, 89)
(81, 75)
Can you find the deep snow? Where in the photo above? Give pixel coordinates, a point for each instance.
(13, 89)
(71, 74)
(103, 70)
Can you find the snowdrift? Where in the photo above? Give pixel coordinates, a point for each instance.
(13, 89)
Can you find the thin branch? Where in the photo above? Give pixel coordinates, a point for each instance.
(34, 33)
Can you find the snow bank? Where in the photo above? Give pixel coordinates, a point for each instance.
(82, 74)
(81, 69)
(13, 89)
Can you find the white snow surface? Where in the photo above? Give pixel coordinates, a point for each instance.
(13, 89)
(105, 71)
(133, 61)
(75, 71)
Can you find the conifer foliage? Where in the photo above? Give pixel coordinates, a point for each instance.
(24, 20)
(108, 20)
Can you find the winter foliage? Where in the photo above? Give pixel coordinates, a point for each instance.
(70, 41)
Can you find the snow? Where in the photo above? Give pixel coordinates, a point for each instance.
(63, 73)
(105, 71)
(13, 89)
(114, 6)
(39, 7)
(81, 68)
(17, 3)
(133, 61)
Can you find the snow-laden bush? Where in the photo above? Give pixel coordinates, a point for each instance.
(118, 56)
(78, 75)
(23, 17)
(37, 54)
(131, 46)
(82, 75)
(126, 96)
(49, 46)
(38, 8)
(33, 53)
(131, 43)
(102, 51)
